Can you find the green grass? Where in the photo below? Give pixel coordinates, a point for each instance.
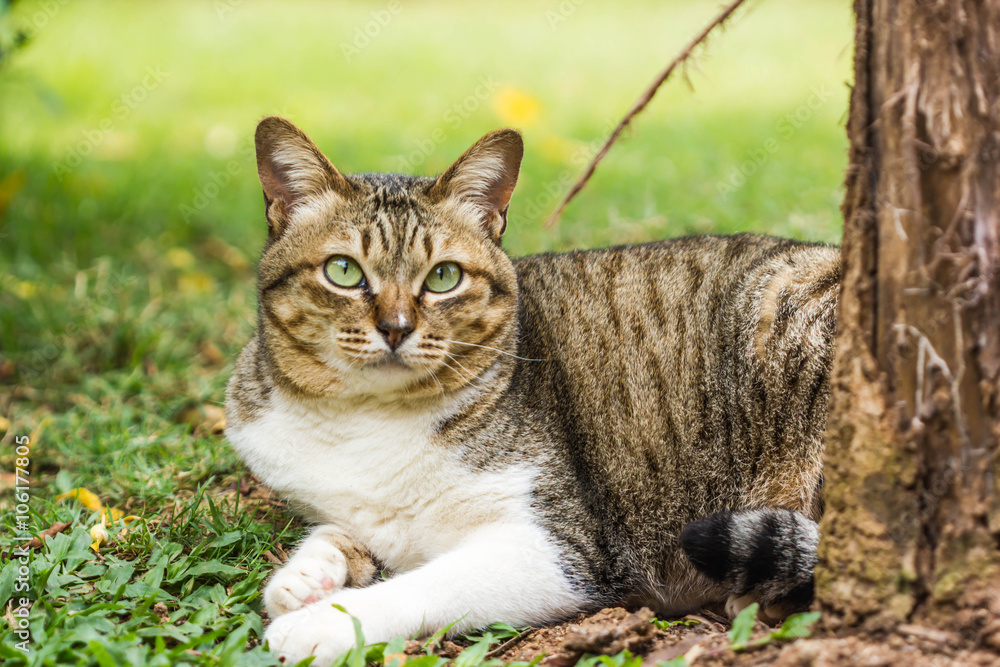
(130, 217)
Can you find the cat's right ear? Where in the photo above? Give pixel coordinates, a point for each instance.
(291, 169)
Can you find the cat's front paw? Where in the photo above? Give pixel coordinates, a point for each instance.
(318, 630)
(316, 571)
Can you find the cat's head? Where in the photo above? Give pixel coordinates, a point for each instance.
(381, 284)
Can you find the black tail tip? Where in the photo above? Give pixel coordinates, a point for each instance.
(706, 542)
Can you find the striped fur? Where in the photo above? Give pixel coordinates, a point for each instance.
(607, 398)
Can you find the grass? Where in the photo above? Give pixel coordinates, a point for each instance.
(130, 218)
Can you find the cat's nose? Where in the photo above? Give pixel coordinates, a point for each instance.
(395, 328)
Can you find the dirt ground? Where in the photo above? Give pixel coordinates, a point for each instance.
(705, 644)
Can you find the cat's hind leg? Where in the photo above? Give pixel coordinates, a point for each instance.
(763, 555)
(325, 562)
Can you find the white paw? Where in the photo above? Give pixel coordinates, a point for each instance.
(315, 571)
(318, 630)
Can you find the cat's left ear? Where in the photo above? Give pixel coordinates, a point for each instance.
(484, 179)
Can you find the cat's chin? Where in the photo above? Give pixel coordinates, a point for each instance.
(389, 375)
(390, 363)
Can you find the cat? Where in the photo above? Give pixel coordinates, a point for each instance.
(522, 440)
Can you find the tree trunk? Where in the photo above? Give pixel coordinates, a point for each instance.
(912, 525)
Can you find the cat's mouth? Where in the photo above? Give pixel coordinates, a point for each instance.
(389, 361)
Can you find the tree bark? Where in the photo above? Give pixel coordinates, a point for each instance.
(912, 525)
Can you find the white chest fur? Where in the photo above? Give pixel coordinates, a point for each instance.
(378, 474)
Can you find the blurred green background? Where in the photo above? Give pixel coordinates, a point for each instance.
(131, 218)
(131, 215)
(126, 161)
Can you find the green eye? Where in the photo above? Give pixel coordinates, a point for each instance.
(344, 271)
(443, 277)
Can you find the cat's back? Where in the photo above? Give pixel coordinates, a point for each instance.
(693, 370)
(651, 297)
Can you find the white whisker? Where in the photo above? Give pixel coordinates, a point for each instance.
(452, 357)
(456, 372)
(487, 347)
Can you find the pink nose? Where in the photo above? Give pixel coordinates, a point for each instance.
(395, 330)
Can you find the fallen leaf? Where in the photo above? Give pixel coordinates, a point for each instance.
(51, 531)
(694, 653)
(211, 353)
(219, 249)
(207, 418)
(33, 438)
(86, 498)
(99, 533)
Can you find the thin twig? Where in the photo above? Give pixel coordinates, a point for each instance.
(510, 642)
(640, 104)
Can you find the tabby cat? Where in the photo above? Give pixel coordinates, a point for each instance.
(522, 440)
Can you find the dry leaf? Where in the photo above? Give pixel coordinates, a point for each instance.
(99, 534)
(109, 515)
(219, 249)
(51, 531)
(211, 353)
(207, 418)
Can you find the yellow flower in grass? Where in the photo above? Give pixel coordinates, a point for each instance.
(516, 107)
(25, 289)
(179, 258)
(195, 282)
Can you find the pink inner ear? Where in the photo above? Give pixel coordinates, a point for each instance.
(274, 180)
(504, 192)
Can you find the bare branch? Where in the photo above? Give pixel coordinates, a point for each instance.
(641, 103)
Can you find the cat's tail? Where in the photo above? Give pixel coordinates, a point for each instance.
(763, 555)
